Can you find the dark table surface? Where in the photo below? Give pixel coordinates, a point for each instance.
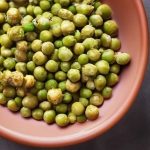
(131, 133)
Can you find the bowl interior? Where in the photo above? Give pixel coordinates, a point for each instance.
(128, 15)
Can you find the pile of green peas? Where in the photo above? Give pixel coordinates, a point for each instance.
(59, 59)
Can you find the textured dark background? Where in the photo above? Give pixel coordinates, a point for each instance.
(131, 133)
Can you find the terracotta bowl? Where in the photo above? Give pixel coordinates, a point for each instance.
(132, 21)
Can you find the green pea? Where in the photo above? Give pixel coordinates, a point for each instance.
(6, 52)
(16, 33)
(13, 16)
(108, 55)
(84, 9)
(92, 112)
(39, 58)
(45, 105)
(37, 114)
(115, 44)
(115, 68)
(73, 75)
(50, 84)
(31, 66)
(97, 4)
(58, 43)
(107, 92)
(85, 93)
(11, 105)
(43, 23)
(6, 27)
(83, 59)
(21, 67)
(110, 27)
(30, 101)
(69, 41)
(36, 45)
(61, 108)
(67, 98)
(54, 55)
(46, 35)
(84, 101)
(18, 101)
(78, 49)
(42, 95)
(72, 118)
(81, 119)
(9, 92)
(3, 6)
(26, 19)
(20, 92)
(56, 30)
(80, 20)
(87, 32)
(90, 43)
(29, 81)
(90, 85)
(76, 65)
(67, 27)
(98, 33)
(77, 35)
(45, 5)
(47, 48)
(65, 66)
(96, 20)
(65, 14)
(106, 40)
(96, 99)
(39, 85)
(100, 82)
(112, 79)
(60, 76)
(37, 11)
(3, 99)
(30, 10)
(40, 73)
(89, 70)
(25, 112)
(103, 67)
(77, 108)
(72, 8)
(122, 58)
(105, 11)
(49, 116)
(94, 54)
(65, 54)
(55, 8)
(55, 20)
(51, 66)
(47, 14)
(62, 85)
(29, 27)
(5, 41)
(62, 120)
(64, 3)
